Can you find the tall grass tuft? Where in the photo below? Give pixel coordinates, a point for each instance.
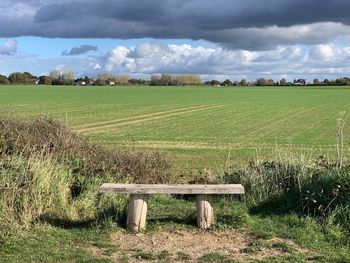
(40, 190)
(294, 183)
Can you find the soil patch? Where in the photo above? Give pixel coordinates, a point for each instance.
(183, 245)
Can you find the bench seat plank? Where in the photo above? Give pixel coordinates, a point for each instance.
(172, 188)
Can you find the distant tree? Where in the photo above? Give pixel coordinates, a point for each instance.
(300, 82)
(342, 81)
(120, 80)
(155, 80)
(45, 80)
(174, 80)
(227, 82)
(166, 80)
(193, 80)
(317, 82)
(68, 77)
(22, 78)
(62, 78)
(83, 81)
(4, 80)
(102, 79)
(29, 77)
(56, 77)
(243, 82)
(270, 82)
(137, 81)
(261, 82)
(215, 82)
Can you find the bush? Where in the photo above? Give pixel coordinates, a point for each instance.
(49, 174)
(308, 189)
(47, 137)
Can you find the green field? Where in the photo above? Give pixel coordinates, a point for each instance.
(198, 126)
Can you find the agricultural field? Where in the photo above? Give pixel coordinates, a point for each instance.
(199, 127)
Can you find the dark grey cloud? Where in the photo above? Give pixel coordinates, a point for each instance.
(82, 49)
(235, 24)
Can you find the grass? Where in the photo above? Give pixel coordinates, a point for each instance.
(57, 245)
(193, 123)
(215, 257)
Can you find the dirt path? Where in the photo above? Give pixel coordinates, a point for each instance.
(183, 245)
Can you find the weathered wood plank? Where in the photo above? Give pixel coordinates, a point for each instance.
(205, 211)
(137, 212)
(172, 188)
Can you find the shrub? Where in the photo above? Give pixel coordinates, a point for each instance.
(49, 174)
(319, 191)
(47, 137)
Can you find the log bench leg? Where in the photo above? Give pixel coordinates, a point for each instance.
(137, 210)
(205, 211)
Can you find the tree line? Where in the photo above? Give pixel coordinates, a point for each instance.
(68, 77)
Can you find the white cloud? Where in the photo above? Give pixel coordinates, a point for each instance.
(292, 61)
(97, 66)
(9, 48)
(326, 52)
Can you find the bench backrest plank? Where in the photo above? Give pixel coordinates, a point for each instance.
(172, 188)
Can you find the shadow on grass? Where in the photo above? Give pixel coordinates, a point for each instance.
(319, 197)
(166, 216)
(189, 220)
(162, 210)
(107, 215)
(280, 205)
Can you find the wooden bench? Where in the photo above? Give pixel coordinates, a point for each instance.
(137, 208)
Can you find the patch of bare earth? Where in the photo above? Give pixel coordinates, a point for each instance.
(236, 244)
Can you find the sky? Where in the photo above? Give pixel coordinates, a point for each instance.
(216, 39)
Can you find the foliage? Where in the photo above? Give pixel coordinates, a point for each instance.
(4, 80)
(174, 80)
(46, 137)
(45, 80)
(284, 187)
(66, 77)
(264, 82)
(21, 78)
(108, 79)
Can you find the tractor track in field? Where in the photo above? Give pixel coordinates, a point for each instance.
(210, 146)
(142, 118)
(97, 124)
(257, 132)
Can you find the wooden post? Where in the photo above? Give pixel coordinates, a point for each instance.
(205, 211)
(137, 211)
